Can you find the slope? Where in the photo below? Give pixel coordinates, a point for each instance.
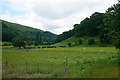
(85, 41)
(10, 30)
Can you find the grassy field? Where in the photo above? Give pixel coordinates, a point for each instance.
(83, 62)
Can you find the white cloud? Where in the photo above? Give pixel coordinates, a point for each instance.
(53, 15)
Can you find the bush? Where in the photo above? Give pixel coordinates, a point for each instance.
(9, 44)
(44, 47)
(91, 41)
(5, 44)
(69, 44)
(38, 47)
(36, 43)
(80, 41)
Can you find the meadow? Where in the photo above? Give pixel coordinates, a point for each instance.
(83, 62)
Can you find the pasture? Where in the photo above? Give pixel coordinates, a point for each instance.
(83, 62)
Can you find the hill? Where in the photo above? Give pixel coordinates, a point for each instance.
(92, 27)
(10, 30)
(87, 27)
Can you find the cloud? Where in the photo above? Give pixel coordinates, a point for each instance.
(56, 16)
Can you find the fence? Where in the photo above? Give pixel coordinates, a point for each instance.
(38, 70)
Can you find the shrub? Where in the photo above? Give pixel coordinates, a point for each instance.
(91, 41)
(9, 44)
(36, 43)
(38, 47)
(80, 41)
(69, 44)
(43, 47)
(5, 44)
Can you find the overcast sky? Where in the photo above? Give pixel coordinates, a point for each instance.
(55, 16)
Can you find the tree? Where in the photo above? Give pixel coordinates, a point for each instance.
(88, 27)
(104, 38)
(19, 41)
(112, 20)
(38, 38)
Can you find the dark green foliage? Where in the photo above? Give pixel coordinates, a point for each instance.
(48, 37)
(104, 38)
(4, 25)
(112, 21)
(11, 30)
(38, 38)
(19, 41)
(88, 27)
(118, 45)
(7, 35)
(69, 44)
(91, 41)
(79, 29)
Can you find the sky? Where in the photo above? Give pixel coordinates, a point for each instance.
(55, 16)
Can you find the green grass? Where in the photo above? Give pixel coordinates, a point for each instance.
(84, 62)
(64, 42)
(73, 39)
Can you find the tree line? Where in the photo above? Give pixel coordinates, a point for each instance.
(22, 41)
